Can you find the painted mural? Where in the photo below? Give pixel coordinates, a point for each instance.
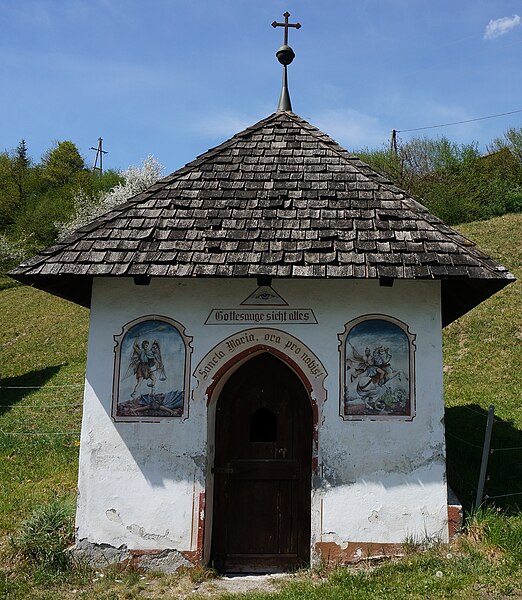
(151, 370)
(377, 369)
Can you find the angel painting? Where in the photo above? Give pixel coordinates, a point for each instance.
(145, 363)
(377, 380)
(151, 356)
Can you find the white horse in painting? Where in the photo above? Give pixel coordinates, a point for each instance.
(373, 372)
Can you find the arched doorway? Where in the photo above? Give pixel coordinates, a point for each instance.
(262, 470)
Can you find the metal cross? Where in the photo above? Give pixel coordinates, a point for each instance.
(286, 25)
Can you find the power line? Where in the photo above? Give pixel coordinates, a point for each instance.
(41, 407)
(36, 433)
(463, 441)
(512, 112)
(38, 387)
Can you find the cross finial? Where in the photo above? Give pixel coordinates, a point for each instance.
(286, 25)
(285, 55)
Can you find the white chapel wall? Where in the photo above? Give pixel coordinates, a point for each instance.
(142, 484)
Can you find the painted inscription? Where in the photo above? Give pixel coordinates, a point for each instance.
(377, 369)
(235, 316)
(274, 338)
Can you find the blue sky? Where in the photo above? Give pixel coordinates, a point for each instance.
(173, 78)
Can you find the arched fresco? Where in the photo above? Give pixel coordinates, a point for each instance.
(151, 370)
(377, 369)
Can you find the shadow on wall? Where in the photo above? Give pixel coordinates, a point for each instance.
(465, 428)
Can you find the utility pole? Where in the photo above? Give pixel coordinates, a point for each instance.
(393, 143)
(98, 158)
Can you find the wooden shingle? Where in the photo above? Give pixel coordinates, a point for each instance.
(280, 199)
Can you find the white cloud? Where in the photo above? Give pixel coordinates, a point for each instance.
(496, 28)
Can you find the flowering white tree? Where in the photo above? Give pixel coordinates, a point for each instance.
(136, 180)
(14, 251)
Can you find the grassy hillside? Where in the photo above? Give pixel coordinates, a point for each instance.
(43, 343)
(42, 360)
(482, 358)
(483, 349)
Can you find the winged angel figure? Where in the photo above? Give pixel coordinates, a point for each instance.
(146, 364)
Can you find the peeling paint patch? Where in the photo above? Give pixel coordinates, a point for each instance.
(198, 556)
(200, 460)
(113, 515)
(374, 516)
(142, 533)
(455, 518)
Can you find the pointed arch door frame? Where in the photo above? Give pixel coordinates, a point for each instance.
(212, 373)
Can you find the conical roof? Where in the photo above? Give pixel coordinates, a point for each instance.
(280, 199)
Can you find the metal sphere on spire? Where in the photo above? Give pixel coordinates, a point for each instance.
(285, 55)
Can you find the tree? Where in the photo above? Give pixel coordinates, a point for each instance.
(88, 207)
(14, 251)
(20, 164)
(15, 183)
(453, 180)
(62, 164)
(8, 192)
(512, 140)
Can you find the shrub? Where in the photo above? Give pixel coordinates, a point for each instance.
(44, 537)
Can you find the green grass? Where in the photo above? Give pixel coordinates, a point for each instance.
(43, 344)
(44, 537)
(482, 358)
(483, 564)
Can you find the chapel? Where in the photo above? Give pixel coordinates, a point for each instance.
(264, 376)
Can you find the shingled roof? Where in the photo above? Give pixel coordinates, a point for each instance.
(280, 199)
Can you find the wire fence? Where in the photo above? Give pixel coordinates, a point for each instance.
(487, 451)
(44, 407)
(38, 409)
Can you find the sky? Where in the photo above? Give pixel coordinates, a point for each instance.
(173, 78)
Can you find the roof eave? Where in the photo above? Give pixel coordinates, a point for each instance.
(458, 295)
(75, 288)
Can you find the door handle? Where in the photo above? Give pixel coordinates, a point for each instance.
(281, 452)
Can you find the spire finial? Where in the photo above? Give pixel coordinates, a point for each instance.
(285, 55)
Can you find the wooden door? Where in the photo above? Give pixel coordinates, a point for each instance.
(262, 470)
